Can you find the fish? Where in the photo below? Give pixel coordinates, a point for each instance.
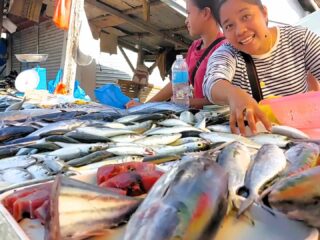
(24, 114)
(15, 175)
(187, 147)
(58, 128)
(220, 128)
(140, 117)
(158, 159)
(173, 123)
(111, 160)
(172, 130)
(127, 138)
(156, 107)
(140, 128)
(235, 160)
(228, 137)
(187, 202)
(39, 171)
(77, 150)
(263, 138)
(297, 196)
(101, 208)
(132, 150)
(158, 139)
(13, 132)
(16, 162)
(102, 132)
(187, 117)
(60, 138)
(185, 140)
(268, 163)
(289, 132)
(301, 157)
(90, 158)
(26, 151)
(15, 106)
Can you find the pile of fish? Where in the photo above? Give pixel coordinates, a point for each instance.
(219, 171)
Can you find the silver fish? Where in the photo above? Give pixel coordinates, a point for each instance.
(127, 138)
(265, 138)
(15, 175)
(16, 106)
(58, 127)
(79, 150)
(159, 139)
(103, 132)
(187, 147)
(187, 117)
(220, 128)
(235, 159)
(132, 150)
(39, 171)
(91, 158)
(228, 137)
(17, 161)
(185, 140)
(171, 130)
(173, 123)
(112, 160)
(289, 132)
(268, 163)
(24, 114)
(140, 128)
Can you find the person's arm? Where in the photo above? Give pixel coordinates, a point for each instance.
(242, 106)
(163, 95)
(313, 84)
(199, 102)
(312, 56)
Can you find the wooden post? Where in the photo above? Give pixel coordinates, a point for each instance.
(70, 66)
(146, 10)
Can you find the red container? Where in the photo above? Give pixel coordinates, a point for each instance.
(300, 111)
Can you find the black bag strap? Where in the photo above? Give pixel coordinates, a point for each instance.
(253, 77)
(206, 52)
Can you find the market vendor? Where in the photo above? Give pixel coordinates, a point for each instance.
(200, 22)
(258, 62)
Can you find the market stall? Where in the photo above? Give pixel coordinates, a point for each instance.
(72, 168)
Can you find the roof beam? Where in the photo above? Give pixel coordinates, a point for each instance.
(139, 24)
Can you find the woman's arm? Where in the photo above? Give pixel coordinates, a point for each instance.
(163, 95)
(242, 106)
(313, 84)
(199, 102)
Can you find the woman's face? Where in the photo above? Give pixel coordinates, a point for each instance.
(245, 26)
(194, 20)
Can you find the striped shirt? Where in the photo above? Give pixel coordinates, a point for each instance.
(283, 70)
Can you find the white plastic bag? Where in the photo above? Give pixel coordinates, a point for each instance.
(88, 47)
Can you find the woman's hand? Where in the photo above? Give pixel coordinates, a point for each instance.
(244, 107)
(132, 103)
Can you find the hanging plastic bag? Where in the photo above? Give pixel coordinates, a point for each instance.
(88, 48)
(61, 16)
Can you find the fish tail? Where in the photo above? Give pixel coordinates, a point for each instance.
(246, 204)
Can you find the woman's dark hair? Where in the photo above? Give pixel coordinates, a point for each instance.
(217, 4)
(201, 4)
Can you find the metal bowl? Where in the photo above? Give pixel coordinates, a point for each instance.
(31, 57)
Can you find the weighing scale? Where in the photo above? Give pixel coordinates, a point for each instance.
(31, 78)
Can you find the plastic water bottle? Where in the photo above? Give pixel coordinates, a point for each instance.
(180, 82)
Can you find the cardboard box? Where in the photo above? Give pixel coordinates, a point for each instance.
(29, 9)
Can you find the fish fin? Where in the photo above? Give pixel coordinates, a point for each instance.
(269, 210)
(246, 204)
